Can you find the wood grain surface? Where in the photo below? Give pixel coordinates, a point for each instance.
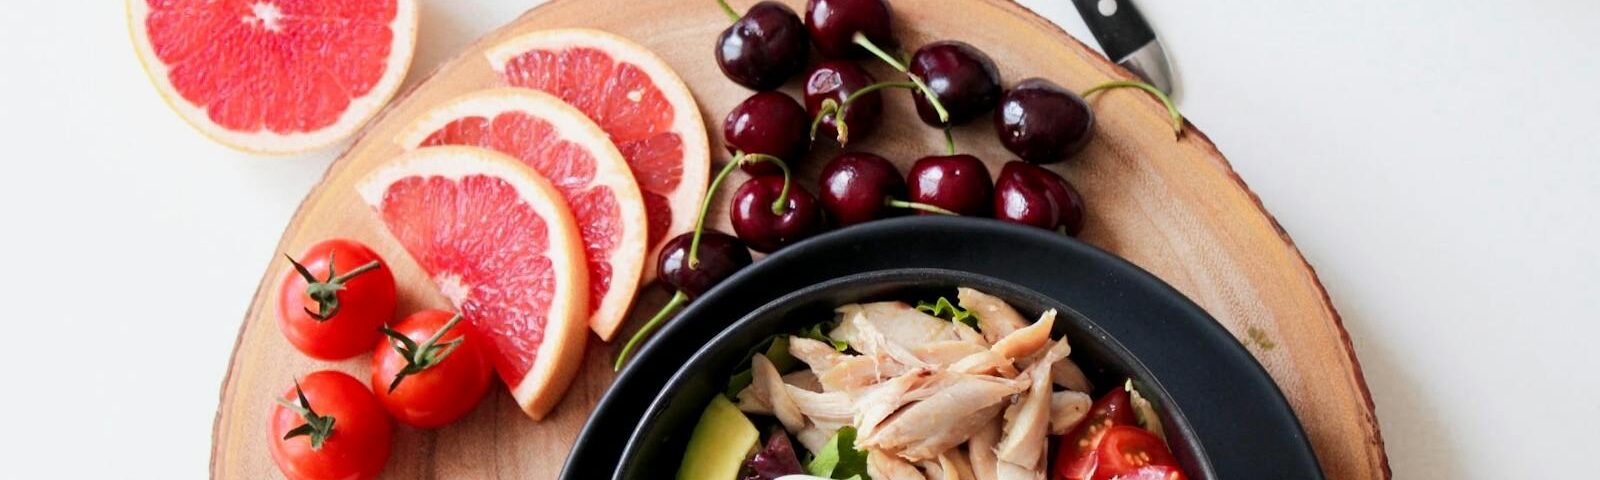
(1173, 206)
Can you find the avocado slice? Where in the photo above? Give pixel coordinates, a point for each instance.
(722, 439)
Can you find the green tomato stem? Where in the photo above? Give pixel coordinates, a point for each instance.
(373, 265)
(1172, 109)
(732, 14)
(672, 306)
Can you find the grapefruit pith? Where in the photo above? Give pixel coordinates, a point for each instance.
(275, 76)
(561, 144)
(637, 99)
(498, 241)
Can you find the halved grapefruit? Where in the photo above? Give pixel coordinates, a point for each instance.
(275, 76)
(498, 241)
(637, 99)
(573, 153)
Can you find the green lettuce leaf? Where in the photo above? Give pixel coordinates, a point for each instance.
(819, 333)
(942, 308)
(776, 348)
(839, 458)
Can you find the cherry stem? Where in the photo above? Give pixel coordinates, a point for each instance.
(783, 195)
(864, 42)
(838, 110)
(732, 14)
(1172, 109)
(829, 107)
(918, 206)
(739, 158)
(949, 141)
(672, 306)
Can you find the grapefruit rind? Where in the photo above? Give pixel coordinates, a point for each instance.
(611, 171)
(355, 115)
(685, 201)
(560, 353)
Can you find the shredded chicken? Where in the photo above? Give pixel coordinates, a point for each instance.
(930, 398)
(1067, 409)
(768, 385)
(887, 466)
(996, 319)
(1067, 375)
(980, 450)
(1028, 420)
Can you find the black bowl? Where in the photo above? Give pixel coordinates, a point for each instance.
(657, 445)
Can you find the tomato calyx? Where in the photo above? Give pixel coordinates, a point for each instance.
(326, 292)
(421, 356)
(318, 427)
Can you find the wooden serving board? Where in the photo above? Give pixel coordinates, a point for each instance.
(1172, 206)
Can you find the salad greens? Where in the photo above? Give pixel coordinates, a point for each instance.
(776, 348)
(839, 459)
(942, 308)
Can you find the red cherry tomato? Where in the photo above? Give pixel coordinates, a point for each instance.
(1124, 450)
(333, 315)
(1075, 459)
(436, 378)
(329, 427)
(1153, 472)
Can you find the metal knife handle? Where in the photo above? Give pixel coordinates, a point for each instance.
(1119, 33)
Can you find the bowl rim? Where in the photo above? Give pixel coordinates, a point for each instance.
(1175, 422)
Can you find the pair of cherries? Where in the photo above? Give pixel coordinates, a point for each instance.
(769, 44)
(862, 187)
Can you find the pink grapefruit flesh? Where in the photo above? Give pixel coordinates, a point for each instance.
(572, 152)
(498, 241)
(275, 76)
(640, 103)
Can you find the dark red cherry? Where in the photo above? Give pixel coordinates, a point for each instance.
(1068, 203)
(768, 123)
(764, 47)
(1032, 195)
(958, 183)
(833, 24)
(1042, 122)
(1023, 195)
(857, 187)
(836, 80)
(767, 231)
(964, 80)
(721, 255)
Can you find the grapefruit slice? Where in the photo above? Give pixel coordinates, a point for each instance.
(498, 241)
(566, 148)
(274, 76)
(637, 99)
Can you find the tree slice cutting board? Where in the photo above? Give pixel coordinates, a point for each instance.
(1172, 206)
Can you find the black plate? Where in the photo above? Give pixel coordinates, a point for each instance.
(658, 443)
(1241, 419)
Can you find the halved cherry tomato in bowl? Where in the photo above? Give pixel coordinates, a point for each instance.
(331, 303)
(431, 370)
(1153, 472)
(1075, 456)
(328, 426)
(1125, 450)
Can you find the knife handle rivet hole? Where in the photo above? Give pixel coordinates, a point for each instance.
(1107, 7)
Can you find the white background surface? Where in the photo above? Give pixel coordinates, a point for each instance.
(1437, 163)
